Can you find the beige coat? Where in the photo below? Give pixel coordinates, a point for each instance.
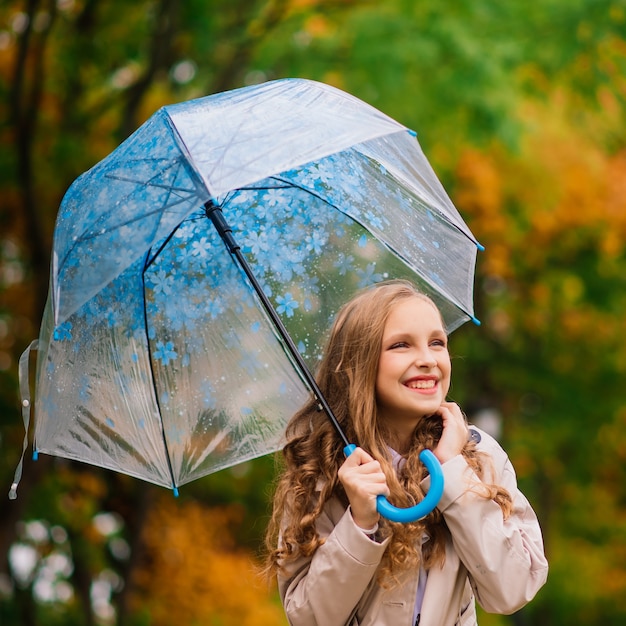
(499, 563)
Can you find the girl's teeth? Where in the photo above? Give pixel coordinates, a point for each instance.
(422, 384)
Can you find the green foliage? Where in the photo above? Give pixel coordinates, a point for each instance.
(519, 106)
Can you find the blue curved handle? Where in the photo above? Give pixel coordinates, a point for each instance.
(421, 509)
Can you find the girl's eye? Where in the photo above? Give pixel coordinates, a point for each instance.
(399, 344)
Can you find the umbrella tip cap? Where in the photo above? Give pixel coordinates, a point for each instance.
(175, 490)
(475, 320)
(412, 132)
(35, 455)
(480, 246)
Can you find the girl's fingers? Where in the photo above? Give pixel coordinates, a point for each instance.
(455, 431)
(452, 410)
(362, 475)
(358, 457)
(361, 464)
(363, 483)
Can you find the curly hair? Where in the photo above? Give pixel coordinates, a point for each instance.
(313, 453)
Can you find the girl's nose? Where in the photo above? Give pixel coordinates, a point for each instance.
(425, 358)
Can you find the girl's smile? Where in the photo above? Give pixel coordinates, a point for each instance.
(423, 384)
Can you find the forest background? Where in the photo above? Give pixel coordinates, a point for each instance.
(520, 108)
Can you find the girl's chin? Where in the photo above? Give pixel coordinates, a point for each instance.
(427, 403)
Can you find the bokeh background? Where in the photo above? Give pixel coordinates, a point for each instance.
(520, 107)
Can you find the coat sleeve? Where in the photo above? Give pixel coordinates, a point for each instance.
(324, 590)
(505, 558)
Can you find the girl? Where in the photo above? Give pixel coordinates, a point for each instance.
(386, 374)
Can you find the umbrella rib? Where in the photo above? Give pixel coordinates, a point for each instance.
(365, 227)
(148, 184)
(214, 213)
(287, 183)
(153, 379)
(151, 258)
(161, 209)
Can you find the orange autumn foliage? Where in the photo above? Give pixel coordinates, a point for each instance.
(193, 573)
(560, 181)
(550, 216)
(480, 197)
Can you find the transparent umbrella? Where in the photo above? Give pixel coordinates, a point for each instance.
(166, 354)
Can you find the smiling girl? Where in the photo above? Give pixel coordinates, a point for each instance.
(386, 374)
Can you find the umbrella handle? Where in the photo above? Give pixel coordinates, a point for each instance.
(421, 509)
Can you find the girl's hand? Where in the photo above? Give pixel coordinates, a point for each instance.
(363, 480)
(455, 432)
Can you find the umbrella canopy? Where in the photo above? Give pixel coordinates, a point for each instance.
(155, 356)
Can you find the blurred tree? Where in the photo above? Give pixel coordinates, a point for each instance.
(521, 108)
(79, 77)
(553, 286)
(193, 568)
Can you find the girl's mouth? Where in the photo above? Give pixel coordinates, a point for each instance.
(421, 383)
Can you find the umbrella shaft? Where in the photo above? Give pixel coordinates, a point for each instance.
(214, 213)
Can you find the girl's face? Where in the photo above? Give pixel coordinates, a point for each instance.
(414, 368)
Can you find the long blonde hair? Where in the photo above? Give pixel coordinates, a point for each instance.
(314, 451)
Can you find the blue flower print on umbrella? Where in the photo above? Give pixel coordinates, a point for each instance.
(196, 269)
